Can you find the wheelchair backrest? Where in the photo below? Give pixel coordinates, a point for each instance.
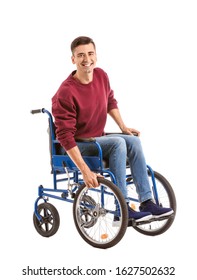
(59, 161)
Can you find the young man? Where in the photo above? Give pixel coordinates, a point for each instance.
(80, 109)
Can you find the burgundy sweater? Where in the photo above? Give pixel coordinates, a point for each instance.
(80, 110)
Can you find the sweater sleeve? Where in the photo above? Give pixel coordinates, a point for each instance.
(64, 113)
(112, 102)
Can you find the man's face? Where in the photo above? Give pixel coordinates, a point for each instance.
(84, 57)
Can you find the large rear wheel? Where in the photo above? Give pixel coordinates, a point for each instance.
(100, 214)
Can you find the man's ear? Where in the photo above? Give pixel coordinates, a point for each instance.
(73, 59)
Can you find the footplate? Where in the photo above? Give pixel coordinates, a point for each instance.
(134, 223)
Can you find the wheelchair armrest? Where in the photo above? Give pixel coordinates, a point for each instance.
(91, 139)
(111, 133)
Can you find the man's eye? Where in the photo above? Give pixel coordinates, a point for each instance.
(80, 55)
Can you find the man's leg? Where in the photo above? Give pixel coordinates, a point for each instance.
(138, 166)
(140, 177)
(115, 150)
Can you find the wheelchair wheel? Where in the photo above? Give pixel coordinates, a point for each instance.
(166, 199)
(50, 221)
(95, 211)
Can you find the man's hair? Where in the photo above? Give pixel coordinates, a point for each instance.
(81, 40)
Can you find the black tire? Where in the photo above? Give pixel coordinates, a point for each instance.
(49, 224)
(94, 211)
(166, 199)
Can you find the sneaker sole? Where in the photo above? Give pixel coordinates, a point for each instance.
(145, 218)
(164, 214)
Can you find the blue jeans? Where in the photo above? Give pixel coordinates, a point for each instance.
(117, 148)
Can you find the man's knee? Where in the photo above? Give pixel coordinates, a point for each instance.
(119, 144)
(134, 143)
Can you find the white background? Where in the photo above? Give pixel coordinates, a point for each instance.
(148, 48)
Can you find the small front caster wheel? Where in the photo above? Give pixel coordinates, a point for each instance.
(50, 221)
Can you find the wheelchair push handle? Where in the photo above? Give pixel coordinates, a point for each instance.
(43, 110)
(36, 111)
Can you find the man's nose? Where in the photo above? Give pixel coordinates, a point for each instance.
(85, 57)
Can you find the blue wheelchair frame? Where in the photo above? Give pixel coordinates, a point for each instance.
(63, 165)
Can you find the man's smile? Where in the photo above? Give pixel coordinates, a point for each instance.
(87, 64)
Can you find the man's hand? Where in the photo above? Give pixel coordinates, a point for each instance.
(130, 131)
(90, 178)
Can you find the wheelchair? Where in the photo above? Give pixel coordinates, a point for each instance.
(95, 209)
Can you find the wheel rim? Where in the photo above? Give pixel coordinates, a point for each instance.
(95, 218)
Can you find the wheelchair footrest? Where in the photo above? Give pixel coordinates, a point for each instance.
(134, 223)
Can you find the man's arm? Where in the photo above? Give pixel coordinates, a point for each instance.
(89, 177)
(115, 114)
